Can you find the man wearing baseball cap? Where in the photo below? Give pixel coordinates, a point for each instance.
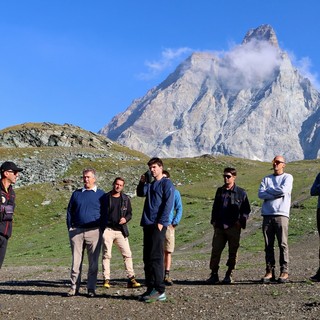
(9, 173)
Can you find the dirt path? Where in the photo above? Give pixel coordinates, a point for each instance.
(40, 293)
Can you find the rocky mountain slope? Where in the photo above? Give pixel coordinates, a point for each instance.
(249, 102)
(46, 151)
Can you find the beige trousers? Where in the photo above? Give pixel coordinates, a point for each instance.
(109, 238)
(81, 238)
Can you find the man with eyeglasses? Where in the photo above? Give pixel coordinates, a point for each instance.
(275, 191)
(230, 212)
(9, 175)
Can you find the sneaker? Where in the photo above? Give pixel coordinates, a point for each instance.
(284, 277)
(72, 292)
(168, 281)
(145, 294)
(227, 279)
(106, 284)
(214, 279)
(316, 277)
(155, 296)
(133, 283)
(91, 293)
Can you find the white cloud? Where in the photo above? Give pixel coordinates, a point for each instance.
(304, 67)
(248, 65)
(168, 58)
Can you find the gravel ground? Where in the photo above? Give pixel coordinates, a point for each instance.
(40, 292)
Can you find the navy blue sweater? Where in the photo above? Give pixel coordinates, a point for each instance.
(159, 201)
(84, 209)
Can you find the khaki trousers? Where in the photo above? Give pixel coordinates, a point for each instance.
(116, 237)
(81, 238)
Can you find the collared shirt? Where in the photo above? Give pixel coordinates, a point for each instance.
(93, 189)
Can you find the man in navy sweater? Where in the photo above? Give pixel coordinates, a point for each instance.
(155, 219)
(83, 222)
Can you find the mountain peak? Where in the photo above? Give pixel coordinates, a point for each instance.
(263, 33)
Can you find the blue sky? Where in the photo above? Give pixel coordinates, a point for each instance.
(83, 62)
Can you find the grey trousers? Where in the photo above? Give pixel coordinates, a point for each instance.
(276, 227)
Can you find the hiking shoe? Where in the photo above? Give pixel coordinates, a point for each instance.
(72, 292)
(91, 293)
(227, 280)
(168, 281)
(133, 283)
(106, 284)
(316, 277)
(155, 296)
(269, 276)
(145, 294)
(214, 279)
(284, 277)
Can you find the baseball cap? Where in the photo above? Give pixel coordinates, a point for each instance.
(9, 165)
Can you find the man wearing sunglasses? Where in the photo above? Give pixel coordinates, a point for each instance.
(275, 191)
(9, 174)
(230, 212)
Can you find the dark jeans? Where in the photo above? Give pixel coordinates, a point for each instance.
(3, 248)
(153, 252)
(276, 227)
(220, 238)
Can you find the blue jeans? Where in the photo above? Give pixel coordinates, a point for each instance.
(276, 227)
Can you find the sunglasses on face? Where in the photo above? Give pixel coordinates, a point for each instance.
(14, 172)
(277, 162)
(227, 176)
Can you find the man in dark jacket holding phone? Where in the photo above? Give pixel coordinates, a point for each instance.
(9, 175)
(117, 212)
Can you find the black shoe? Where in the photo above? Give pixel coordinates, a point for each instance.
(214, 279)
(316, 277)
(91, 294)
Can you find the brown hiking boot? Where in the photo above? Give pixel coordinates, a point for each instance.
(284, 277)
(133, 283)
(269, 276)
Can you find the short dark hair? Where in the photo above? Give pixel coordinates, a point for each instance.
(155, 160)
(118, 178)
(166, 173)
(233, 171)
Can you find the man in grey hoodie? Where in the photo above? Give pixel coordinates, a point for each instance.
(275, 191)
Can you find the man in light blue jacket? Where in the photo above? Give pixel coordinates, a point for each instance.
(315, 191)
(275, 191)
(169, 244)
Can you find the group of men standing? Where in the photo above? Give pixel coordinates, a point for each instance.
(94, 216)
(230, 212)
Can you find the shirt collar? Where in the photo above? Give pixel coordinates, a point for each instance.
(93, 189)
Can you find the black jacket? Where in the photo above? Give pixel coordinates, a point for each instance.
(7, 204)
(238, 208)
(111, 219)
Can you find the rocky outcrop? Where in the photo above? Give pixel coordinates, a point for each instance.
(250, 102)
(46, 134)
